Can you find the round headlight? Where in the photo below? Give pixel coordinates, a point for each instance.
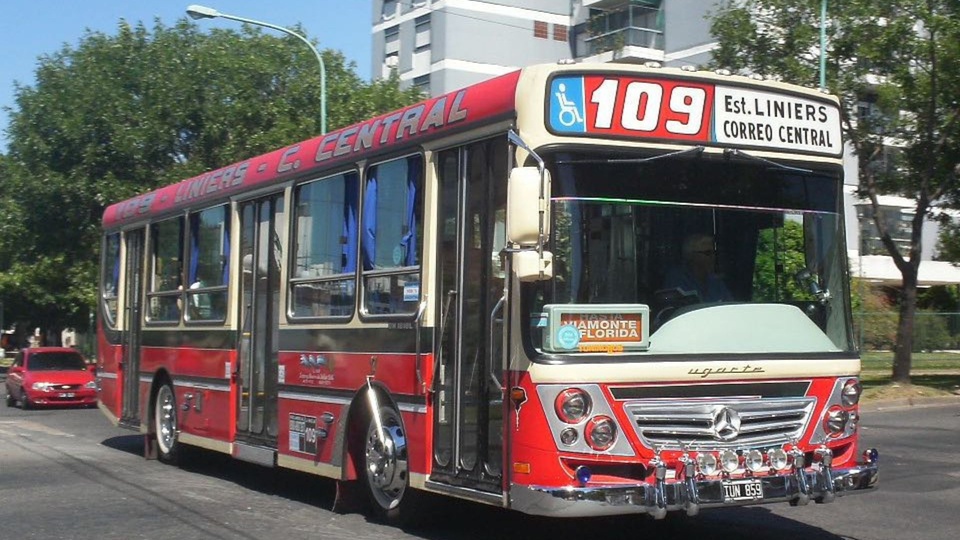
(753, 460)
(778, 459)
(707, 463)
(572, 405)
(601, 433)
(569, 436)
(850, 395)
(835, 421)
(729, 461)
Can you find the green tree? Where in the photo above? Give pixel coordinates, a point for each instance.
(896, 69)
(125, 113)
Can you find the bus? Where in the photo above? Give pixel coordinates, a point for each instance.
(485, 295)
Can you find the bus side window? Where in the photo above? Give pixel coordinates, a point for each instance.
(208, 268)
(166, 282)
(324, 274)
(110, 277)
(391, 236)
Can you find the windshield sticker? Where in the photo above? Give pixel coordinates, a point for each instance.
(568, 337)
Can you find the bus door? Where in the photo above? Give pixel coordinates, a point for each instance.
(132, 314)
(468, 392)
(260, 255)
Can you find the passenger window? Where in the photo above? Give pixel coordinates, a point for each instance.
(110, 278)
(166, 281)
(209, 265)
(324, 273)
(392, 233)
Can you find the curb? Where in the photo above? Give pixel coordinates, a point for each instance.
(907, 403)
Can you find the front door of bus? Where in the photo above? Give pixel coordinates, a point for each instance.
(468, 397)
(260, 255)
(133, 272)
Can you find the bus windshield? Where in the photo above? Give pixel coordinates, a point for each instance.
(728, 256)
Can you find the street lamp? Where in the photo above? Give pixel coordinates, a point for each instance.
(203, 12)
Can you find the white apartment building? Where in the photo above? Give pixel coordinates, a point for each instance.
(442, 45)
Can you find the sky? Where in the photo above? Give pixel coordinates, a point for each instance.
(30, 29)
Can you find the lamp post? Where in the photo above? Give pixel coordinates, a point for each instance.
(203, 12)
(823, 44)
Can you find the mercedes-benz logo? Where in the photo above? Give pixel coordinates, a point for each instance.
(726, 424)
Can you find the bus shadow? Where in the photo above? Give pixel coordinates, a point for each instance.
(462, 520)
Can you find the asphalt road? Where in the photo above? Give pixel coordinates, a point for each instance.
(68, 474)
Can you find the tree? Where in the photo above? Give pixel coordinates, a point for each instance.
(123, 114)
(896, 69)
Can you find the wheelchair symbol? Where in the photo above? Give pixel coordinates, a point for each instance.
(569, 114)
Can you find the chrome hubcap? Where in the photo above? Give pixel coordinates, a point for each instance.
(166, 419)
(387, 464)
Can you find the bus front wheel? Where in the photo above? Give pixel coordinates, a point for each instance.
(165, 424)
(385, 464)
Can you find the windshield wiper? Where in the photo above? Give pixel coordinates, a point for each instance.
(694, 150)
(734, 152)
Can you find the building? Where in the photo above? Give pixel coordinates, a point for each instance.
(442, 45)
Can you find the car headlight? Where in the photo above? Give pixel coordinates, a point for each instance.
(601, 433)
(91, 385)
(42, 386)
(835, 422)
(850, 395)
(572, 405)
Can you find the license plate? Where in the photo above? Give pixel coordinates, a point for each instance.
(67, 394)
(742, 490)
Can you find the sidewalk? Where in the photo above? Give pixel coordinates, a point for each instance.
(881, 405)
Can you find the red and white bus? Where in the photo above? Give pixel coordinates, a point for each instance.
(486, 295)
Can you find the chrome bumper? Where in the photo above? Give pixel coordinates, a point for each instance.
(818, 483)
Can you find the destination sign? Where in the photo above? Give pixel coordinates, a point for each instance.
(698, 112)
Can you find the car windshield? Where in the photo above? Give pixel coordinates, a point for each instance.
(728, 256)
(56, 361)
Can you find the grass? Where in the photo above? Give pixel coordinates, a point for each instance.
(932, 374)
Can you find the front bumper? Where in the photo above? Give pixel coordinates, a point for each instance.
(818, 483)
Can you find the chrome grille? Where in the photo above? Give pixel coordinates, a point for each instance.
(760, 422)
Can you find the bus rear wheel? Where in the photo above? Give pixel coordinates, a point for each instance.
(385, 465)
(165, 424)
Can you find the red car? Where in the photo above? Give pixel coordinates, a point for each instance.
(50, 376)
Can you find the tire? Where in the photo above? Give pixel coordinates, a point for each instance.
(10, 400)
(24, 400)
(385, 467)
(165, 425)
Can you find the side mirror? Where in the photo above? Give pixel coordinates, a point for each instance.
(528, 206)
(528, 223)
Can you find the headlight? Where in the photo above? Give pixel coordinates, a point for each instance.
(753, 460)
(850, 395)
(729, 461)
(707, 463)
(601, 433)
(569, 436)
(42, 386)
(572, 405)
(778, 459)
(91, 385)
(835, 421)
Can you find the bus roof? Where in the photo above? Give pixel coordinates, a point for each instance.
(488, 101)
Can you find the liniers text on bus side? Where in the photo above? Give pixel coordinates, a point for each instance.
(571, 290)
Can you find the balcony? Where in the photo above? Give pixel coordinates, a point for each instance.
(620, 31)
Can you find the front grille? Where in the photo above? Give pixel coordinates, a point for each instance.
(719, 424)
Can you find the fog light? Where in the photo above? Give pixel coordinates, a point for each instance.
(835, 421)
(729, 461)
(850, 395)
(778, 459)
(707, 463)
(601, 433)
(753, 460)
(569, 436)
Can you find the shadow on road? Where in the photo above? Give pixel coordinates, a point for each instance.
(446, 518)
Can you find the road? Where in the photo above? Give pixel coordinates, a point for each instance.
(68, 474)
